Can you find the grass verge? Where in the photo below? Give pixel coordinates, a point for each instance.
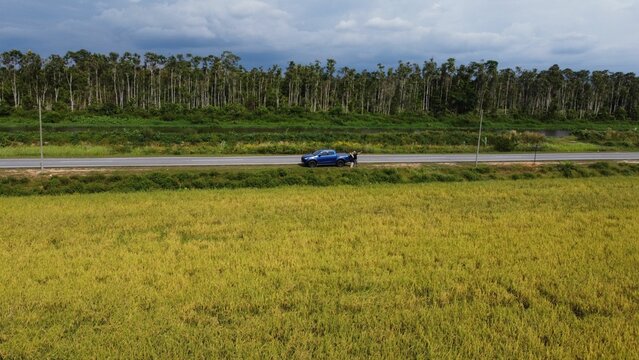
(13, 183)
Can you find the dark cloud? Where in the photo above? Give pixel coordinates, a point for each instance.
(361, 34)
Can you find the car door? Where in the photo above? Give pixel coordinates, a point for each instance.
(322, 157)
(329, 158)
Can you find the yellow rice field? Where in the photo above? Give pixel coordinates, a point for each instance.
(541, 268)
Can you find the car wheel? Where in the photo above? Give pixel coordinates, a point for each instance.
(312, 164)
(340, 163)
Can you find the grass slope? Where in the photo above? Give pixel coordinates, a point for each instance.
(55, 182)
(201, 133)
(309, 120)
(542, 268)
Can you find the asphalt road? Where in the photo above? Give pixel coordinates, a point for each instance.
(295, 159)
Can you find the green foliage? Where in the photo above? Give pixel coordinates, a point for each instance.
(61, 107)
(336, 110)
(181, 131)
(505, 142)
(609, 137)
(5, 109)
(54, 117)
(512, 140)
(570, 170)
(107, 109)
(236, 111)
(295, 110)
(532, 138)
(220, 81)
(172, 109)
(261, 111)
(123, 181)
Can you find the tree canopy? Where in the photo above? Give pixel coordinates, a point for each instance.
(82, 80)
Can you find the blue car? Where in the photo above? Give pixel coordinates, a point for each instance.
(326, 157)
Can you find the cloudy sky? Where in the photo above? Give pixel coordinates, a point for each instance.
(581, 34)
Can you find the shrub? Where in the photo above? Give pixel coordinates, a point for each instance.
(471, 175)
(261, 110)
(605, 168)
(104, 109)
(483, 169)
(505, 142)
(164, 181)
(529, 137)
(53, 117)
(446, 177)
(567, 169)
(336, 110)
(295, 110)
(235, 110)
(174, 109)
(5, 109)
(526, 176)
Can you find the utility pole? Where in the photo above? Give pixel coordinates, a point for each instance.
(41, 143)
(481, 121)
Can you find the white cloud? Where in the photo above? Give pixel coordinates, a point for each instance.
(244, 9)
(621, 5)
(346, 24)
(11, 30)
(395, 23)
(237, 23)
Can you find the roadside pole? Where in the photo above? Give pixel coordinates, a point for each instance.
(41, 144)
(535, 158)
(481, 121)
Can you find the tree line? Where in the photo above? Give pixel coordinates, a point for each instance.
(81, 80)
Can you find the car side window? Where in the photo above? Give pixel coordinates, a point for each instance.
(331, 153)
(323, 153)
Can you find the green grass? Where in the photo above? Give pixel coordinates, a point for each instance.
(314, 120)
(282, 147)
(528, 269)
(27, 151)
(569, 144)
(71, 181)
(30, 151)
(201, 133)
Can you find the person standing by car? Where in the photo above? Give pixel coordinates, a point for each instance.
(354, 158)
